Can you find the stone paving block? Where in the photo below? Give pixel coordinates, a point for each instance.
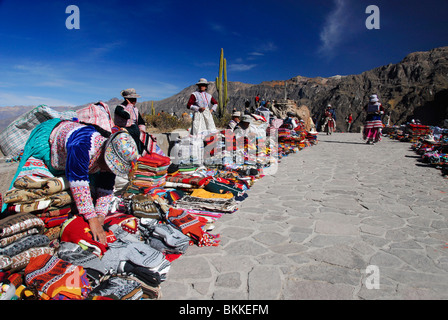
(316, 224)
(328, 273)
(315, 290)
(245, 248)
(330, 227)
(339, 255)
(194, 267)
(270, 238)
(264, 283)
(229, 280)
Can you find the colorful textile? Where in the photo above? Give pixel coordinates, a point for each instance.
(15, 136)
(204, 194)
(220, 187)
(212, 204)
(97, 114)
(58, 279)
(77, 230)
(372, 128)
(121, 153)
(186, 222)
(155, 160)
(25, 243)
(22, 259)
(127, 222)
(19, 223)
(42, 186)
(38, 147)
(51, 222)
(192, 226)
(188, 179)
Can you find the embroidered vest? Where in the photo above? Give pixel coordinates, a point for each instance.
(203, 99)
(133, 112)
(373, 108)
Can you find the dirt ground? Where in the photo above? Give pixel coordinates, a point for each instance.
(7, 172)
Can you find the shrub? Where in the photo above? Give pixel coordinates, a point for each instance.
(165, 122)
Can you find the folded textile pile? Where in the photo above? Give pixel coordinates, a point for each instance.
(21, 239)
(149, 171)
(77, 230)
(164, 238)
(127, 256)
(192, 226)
(56, 278)
(47, 198)
(224, 205)
(186, 181)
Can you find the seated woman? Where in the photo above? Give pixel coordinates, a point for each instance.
(79, 151)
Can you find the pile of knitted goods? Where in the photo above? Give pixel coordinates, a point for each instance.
(149, 172)
(165, 209)
(46, 198)
(433, 150)
(21, 239)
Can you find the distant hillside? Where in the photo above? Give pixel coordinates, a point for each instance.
(416, 87)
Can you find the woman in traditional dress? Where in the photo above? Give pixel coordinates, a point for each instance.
(89, 161)
(373, 124)
(330, 123)
(127, 116)
(202, 104)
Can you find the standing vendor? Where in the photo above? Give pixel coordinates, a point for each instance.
(202, 104)
(128, 117)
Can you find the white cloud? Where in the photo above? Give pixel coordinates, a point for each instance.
(14, 99)
(268, 47)
(236, 67)
(256, 54)
(218, 28)
(331, 34)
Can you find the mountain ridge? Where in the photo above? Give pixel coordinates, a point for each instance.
(415, 87)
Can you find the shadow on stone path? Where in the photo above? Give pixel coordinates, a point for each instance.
(311, 230)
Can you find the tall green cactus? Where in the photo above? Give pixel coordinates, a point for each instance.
(153, 111)
(226, 99)
(222, 92)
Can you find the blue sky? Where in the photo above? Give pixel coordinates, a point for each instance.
(159, 47)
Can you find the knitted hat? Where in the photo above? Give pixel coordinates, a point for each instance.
(202, 81)
(121, 151)
(129, 93)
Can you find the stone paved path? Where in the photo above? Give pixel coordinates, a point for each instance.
(311, 230)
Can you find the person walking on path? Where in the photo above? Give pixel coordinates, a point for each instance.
(349, 120)
(257, 101)
(330, 123)
(202, 104)
(373, 123)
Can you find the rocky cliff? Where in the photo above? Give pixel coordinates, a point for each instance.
(416, 87)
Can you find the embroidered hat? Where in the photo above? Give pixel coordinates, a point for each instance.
(374, 98)
(129, 93)
(121, 151)
(202, 81)
(247, 118)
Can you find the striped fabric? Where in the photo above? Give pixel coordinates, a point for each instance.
(98, 114)
(14, 137)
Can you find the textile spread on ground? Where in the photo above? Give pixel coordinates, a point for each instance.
(48, 252)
